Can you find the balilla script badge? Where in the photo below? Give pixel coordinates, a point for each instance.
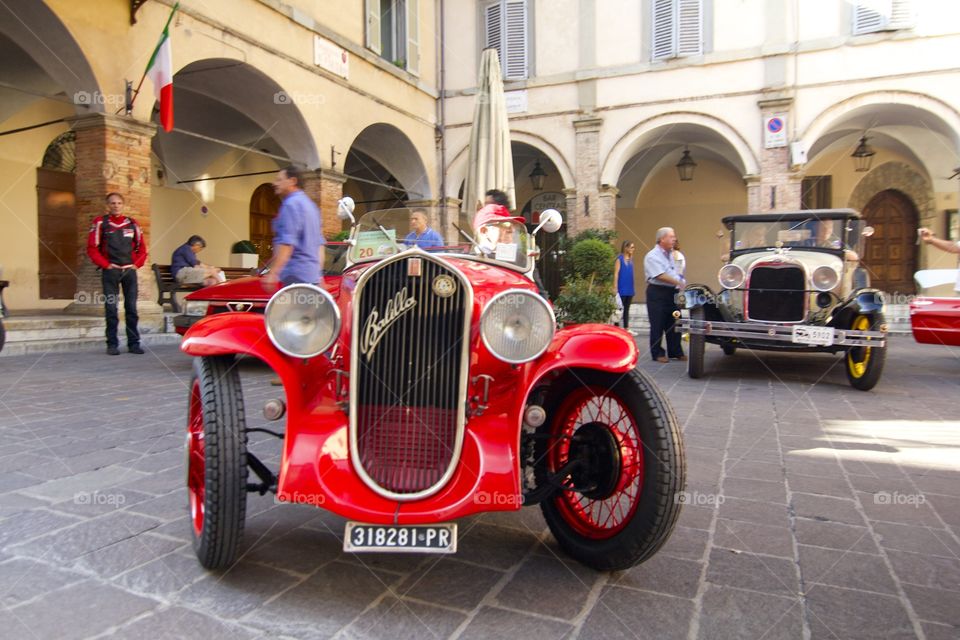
(375, 327)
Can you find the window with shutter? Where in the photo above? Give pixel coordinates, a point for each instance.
(506, 30)
(677, 28)
(870, 16)
(393, 31)
(373, 25)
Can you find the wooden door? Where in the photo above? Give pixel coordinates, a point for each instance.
(264, 205)
(891, 253)
(57, 231)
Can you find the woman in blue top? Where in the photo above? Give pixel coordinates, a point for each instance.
(623, 276)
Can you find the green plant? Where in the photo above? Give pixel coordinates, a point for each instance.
(340, 237)
(587, 295)
(590, 257)
(243, 246)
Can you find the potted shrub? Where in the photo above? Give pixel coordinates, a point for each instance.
(587, 295)
(244, 254)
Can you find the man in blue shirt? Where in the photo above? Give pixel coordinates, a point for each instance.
(186, 268)
(422, 235)
(298, 238)
(663, 283)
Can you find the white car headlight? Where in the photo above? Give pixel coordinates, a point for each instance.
(196, 307)
(825, 278)
(302, 320)
(517, 326)
(731, 276)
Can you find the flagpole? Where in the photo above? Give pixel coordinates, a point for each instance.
(166, 27)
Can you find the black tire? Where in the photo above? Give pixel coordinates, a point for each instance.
(728, 349)
(864, 365)
(697, 347)
(216, 460)
(652, 498)
(3, 335)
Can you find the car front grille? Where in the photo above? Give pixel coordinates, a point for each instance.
(776, 294)
(408, 378)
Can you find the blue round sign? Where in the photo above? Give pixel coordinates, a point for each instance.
(775, 125)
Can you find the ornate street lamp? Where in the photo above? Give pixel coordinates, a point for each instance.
(863, 155)
(686, 166)
(537, 177)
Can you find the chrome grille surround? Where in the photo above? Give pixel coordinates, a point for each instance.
(774, 301)
(400, 441)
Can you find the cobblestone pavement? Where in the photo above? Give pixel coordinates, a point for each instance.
(815, 511)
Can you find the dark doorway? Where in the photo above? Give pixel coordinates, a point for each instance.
(57, 230)
(891, 253)
(264, 205)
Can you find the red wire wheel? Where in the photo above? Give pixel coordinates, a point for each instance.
(195, 459)
(612, 447)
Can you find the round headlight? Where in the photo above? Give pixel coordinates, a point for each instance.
(517, 326)
(731, 276)
(825, 278)
(302, 320)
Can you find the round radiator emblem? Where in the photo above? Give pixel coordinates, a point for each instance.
(444, 286)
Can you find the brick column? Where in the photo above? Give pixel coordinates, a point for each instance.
(113, 154)
(607, 205)
(325, 187)
(588, 212)
(448, 213)
(778, 188)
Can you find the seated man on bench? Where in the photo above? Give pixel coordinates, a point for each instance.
(186, 268)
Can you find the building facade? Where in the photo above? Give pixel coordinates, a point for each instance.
(769, 98)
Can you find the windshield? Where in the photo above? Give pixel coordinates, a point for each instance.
(383, 233)
(810, 232)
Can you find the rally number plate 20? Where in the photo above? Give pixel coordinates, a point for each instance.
(420, 538)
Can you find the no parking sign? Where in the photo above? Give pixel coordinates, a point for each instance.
(775, 131)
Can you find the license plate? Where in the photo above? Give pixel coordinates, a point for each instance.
(805, 334)
(420, 538)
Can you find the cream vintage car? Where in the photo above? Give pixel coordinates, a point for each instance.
(792, 282)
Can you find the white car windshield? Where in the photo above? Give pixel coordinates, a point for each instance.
(814, 233)
(382, 233)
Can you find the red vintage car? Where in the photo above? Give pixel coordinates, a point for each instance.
(936, 320)
(247, 294)
(433, 384)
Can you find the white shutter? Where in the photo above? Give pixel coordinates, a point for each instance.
(493, 27)
(689, 27)
(373, 25)
(513, 54)
(413, 36)
(663, 32)
(902, 15)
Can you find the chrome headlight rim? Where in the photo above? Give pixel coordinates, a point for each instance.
(834, 275)
(191, 306)
(313, 289)
(537, 299)
(741, 276)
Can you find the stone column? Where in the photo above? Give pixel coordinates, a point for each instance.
(778, 188)
(448, 213)
(588, 212)
(607, 201)
(113, 154)
(325, 188)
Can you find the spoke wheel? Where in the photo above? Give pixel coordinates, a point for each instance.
(865, 364)
(618, 503)
(697, 346)
(216, 461)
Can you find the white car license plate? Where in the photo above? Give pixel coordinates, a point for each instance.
(806, 334)
(419, 538)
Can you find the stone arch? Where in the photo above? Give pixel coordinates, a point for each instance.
(457, 168)
(897, 176)
(396, 153)
(35, 29)
(647, 131)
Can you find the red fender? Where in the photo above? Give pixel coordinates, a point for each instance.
(592, 346)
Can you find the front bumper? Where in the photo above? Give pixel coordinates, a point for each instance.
(757, 333)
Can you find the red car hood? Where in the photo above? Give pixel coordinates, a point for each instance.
(249, 289)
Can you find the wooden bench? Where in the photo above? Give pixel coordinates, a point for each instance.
(168, 288)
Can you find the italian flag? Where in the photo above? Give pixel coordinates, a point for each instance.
(160, 71)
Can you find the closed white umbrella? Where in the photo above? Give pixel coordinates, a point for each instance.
(490, 163)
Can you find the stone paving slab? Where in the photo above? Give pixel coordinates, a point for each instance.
(813, 511)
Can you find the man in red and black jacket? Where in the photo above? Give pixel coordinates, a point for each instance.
(116, 245)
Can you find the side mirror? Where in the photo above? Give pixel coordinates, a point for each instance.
(867, 231)
(345, 208)
(550, 221)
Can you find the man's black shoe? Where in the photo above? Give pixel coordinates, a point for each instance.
(137, 350)
(113, 351)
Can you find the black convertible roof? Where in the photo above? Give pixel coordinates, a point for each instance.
(787, 216)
